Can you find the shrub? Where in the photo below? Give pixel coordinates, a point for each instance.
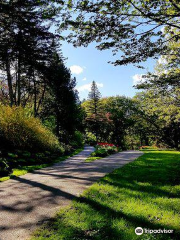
(100, 153)
(148, 147)
(20, 130)
(104, 149)
(4, 167)
(77, 140)
(105, 145)
(90, 139)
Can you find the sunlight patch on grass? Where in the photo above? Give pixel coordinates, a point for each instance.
(92, 159)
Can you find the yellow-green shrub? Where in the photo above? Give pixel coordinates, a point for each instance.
(21, 130)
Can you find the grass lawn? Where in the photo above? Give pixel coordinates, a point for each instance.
(92, 159)
(25, 169)
(144, 193)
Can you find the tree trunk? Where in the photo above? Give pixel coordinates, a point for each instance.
(9, 78)
(57, 123)
(35, 96)
(41, 99)
(19, 82)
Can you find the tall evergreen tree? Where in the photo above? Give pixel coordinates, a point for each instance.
(94, 96)
(62, 100)
(33, 71)
(94, 111)
(25, 41)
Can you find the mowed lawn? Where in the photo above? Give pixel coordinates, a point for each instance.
(144, 193)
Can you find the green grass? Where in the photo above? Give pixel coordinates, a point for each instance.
(91, 159)
(144, 193)
(26, 169)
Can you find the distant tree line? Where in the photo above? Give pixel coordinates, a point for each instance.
(130, 123)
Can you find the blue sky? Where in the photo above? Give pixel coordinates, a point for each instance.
(88, 64)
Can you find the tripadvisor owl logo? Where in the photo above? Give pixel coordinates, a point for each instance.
(139, 231)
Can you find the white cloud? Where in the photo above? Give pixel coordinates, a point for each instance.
(84, 79)
(87, 87)
(137, 78)
(75, 69)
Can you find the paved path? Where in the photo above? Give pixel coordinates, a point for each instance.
(27, 201)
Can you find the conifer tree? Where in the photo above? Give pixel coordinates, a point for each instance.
(94, 96)
(62, 101)
(95, 116)
(25, 41)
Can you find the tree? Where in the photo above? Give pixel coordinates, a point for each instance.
(162, 116)
(61, 100)
(131, 27)
(95, 116)
(120, 111)
(94, 97)
(25, 41)
(165, 77)
(122, 122)
(161, 95)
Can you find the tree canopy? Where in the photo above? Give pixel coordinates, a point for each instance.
(130, 28)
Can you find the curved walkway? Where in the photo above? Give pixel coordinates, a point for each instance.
(28, 201)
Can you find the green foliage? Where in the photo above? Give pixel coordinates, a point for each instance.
(94, 113)
(121, 110)
(4, 167)
(26, 44)
(129, 28)
(78, 140)
(160, 99)
(19, 130)
(149, 148)
(34, 73)
(121, 124)
(104, 151)
(90, 139)
(94, 96)
(19, 159)
(92, 159)
(100, 153)
(132, 140)
(162, 113)
(60, 108)
(67, 148)
(23, 166)
(144, 193)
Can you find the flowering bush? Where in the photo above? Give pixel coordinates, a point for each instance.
(104, 149)
(106, 144)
